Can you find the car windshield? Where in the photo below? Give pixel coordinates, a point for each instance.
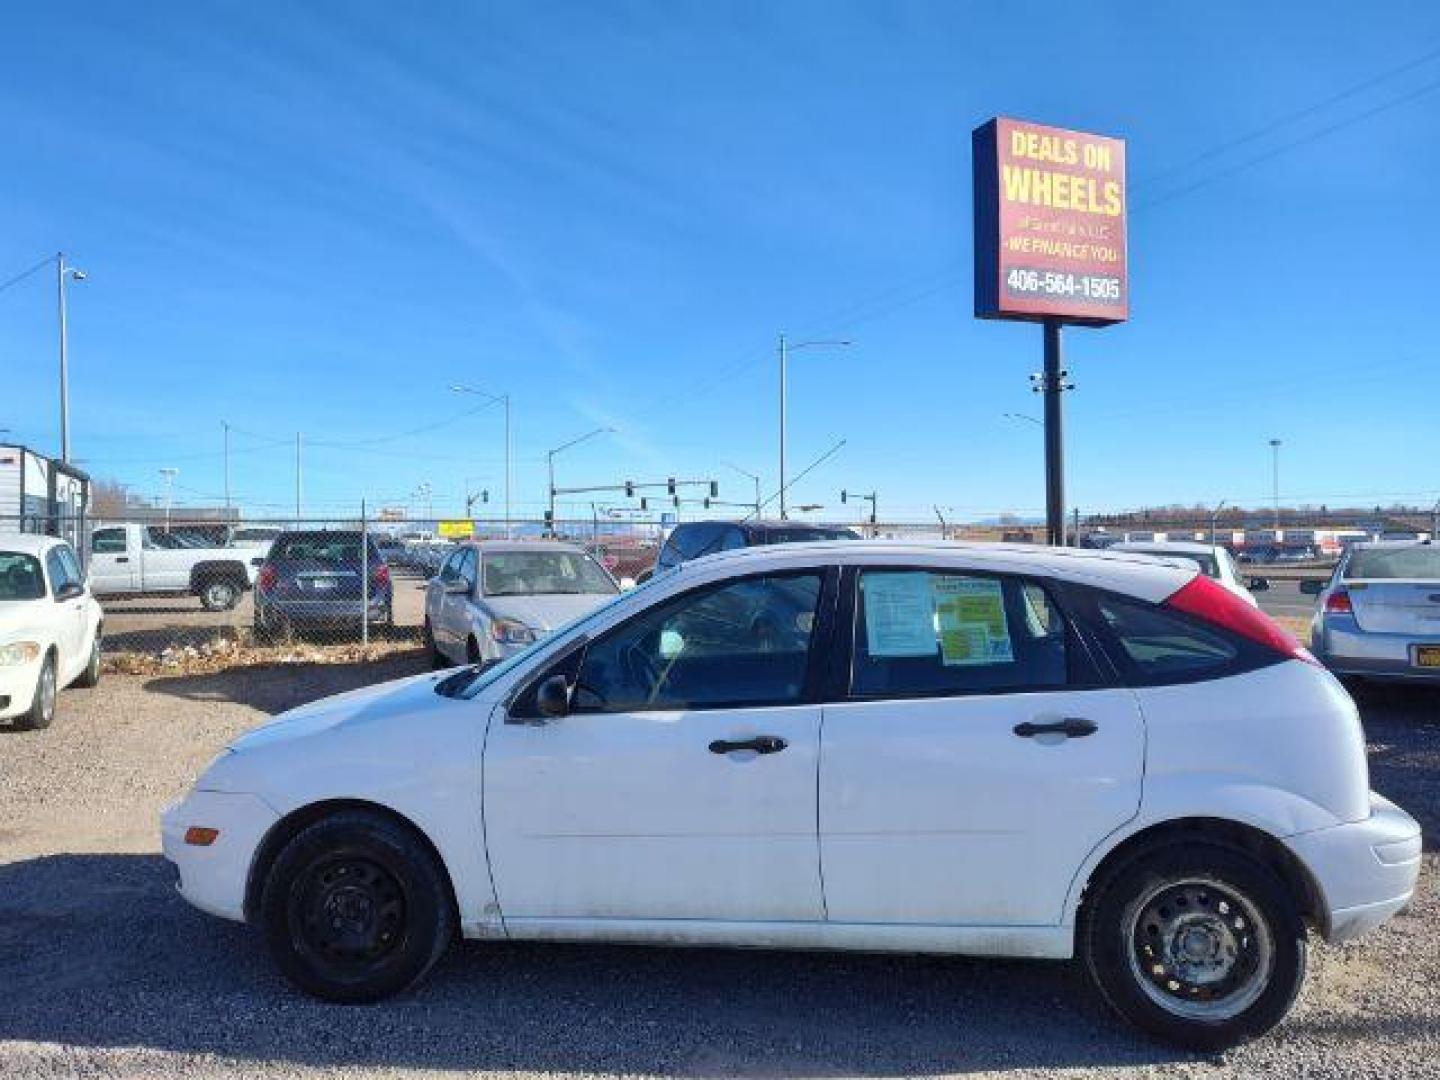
(20, 577)
(1208, 564)
(532, 573)
(333, 549)
(1420, 562)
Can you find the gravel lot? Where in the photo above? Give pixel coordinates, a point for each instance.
(104, 971)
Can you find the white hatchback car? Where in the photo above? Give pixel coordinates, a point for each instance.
(493, 598)
(49, 627)
(1002, 751)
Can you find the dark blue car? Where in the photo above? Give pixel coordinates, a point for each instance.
(316, 579)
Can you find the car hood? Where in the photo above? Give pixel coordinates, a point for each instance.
(18, 617)
(545, 612)
(368, 705)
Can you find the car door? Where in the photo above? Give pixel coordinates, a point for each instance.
(435, 602)
(682, 784)
(113, 566)
(67, 593)
(455, 606)
(978, 756)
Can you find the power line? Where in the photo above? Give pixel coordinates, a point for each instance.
(26, 273)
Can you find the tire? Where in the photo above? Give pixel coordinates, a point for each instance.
(91, 675)
(472, 651)
(42, 705)
(438, 660)
(221, 594)
(1248, 941)
(355, 908)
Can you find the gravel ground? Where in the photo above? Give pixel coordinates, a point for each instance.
(104, 971)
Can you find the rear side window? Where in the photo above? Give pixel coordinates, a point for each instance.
(1164, 646)
(921, 634)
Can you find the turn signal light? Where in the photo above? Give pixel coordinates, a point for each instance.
(1338, 603)
(201, 835)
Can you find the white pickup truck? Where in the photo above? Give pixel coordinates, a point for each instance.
(128, 560)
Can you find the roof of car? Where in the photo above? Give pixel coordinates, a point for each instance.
(27, 543)
(1131, 573)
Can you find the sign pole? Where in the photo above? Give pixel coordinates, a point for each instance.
(1054, 438)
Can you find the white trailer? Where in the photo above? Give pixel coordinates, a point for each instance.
(39, 494)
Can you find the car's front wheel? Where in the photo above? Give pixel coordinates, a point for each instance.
(1200, 945)
(356, 908)
(42, 705)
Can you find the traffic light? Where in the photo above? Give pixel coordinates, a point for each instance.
(485, 495)
(714, 490)
(707, 504)
(670, 486)
(629, 489)
(644, 504)
(549, 520)
(844, 496)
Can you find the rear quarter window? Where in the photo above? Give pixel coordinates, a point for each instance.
(1152, 644)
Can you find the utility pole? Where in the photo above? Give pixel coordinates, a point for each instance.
(62, 273)
(299, 475)
(550, 467)
(225, 424)
(169, 474)
(1275, 481)
(1215, 519)
(504, 399)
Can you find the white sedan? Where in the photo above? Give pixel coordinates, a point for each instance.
(492, 599)
(1213, 560)
(49, 627)
(1000, 751)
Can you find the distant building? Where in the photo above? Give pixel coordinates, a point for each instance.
(39, 494)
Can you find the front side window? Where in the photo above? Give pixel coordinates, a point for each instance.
(740, 643)
(108, 542)
(923, 633)
(1163, 645)
(469, 569)
(20, 577)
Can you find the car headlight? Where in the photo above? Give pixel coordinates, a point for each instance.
(511, 632)
(19, 652)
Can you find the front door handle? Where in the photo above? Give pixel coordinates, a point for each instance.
(123, 558)
(761, 744)
(1072, 727)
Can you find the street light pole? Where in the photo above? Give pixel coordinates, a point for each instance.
(169, 473)
(785, 350)
(62, 273)
(1275, 481)
(504, 399)
(550, 466)
(224, 424)
(752, 476)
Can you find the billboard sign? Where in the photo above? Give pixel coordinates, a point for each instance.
(455, 530)
(1049, 224)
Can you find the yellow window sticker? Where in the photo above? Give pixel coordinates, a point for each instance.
(971, 617)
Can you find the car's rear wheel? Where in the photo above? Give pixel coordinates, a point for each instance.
(42, 705)
(219, 595)
(91, 675)
(356, 908)
(1200, 945)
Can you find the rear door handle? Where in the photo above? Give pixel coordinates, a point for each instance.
(1072, 727)
(761, 744)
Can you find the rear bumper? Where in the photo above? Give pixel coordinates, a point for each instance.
(320, 611)
(1338, 642)
(1366, 870)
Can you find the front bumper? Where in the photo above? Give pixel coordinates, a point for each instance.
(214, 878)
(1338, 642)
(1366, 870)
(17, 687)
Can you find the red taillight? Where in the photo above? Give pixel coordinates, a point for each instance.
(381, 576)
(1338, 603)
(267, 578)
(1215, 604)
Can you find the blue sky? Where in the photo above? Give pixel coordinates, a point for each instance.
(316, 217)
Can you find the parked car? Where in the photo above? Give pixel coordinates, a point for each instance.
(50, 627)
(493, 598)
(134, 560)
(1038, 753)
(1378, 617)
(692, 539)
(316, 579)
(1214, 562)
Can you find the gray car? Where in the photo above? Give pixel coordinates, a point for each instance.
(1379, 614)
(493, 598)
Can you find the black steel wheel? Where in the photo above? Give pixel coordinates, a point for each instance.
(1199, 944)
(356, 908)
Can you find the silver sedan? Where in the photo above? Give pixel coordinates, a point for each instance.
(1379, 614)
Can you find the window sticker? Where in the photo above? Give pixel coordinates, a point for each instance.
(971, 615)
(899, 614)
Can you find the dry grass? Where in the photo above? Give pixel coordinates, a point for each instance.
(232, 650)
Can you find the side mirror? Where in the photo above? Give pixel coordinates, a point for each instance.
(69, 591)
(552, 697)
(1259, 584)
(1312, 586)
(626, 584)
(457, 586)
